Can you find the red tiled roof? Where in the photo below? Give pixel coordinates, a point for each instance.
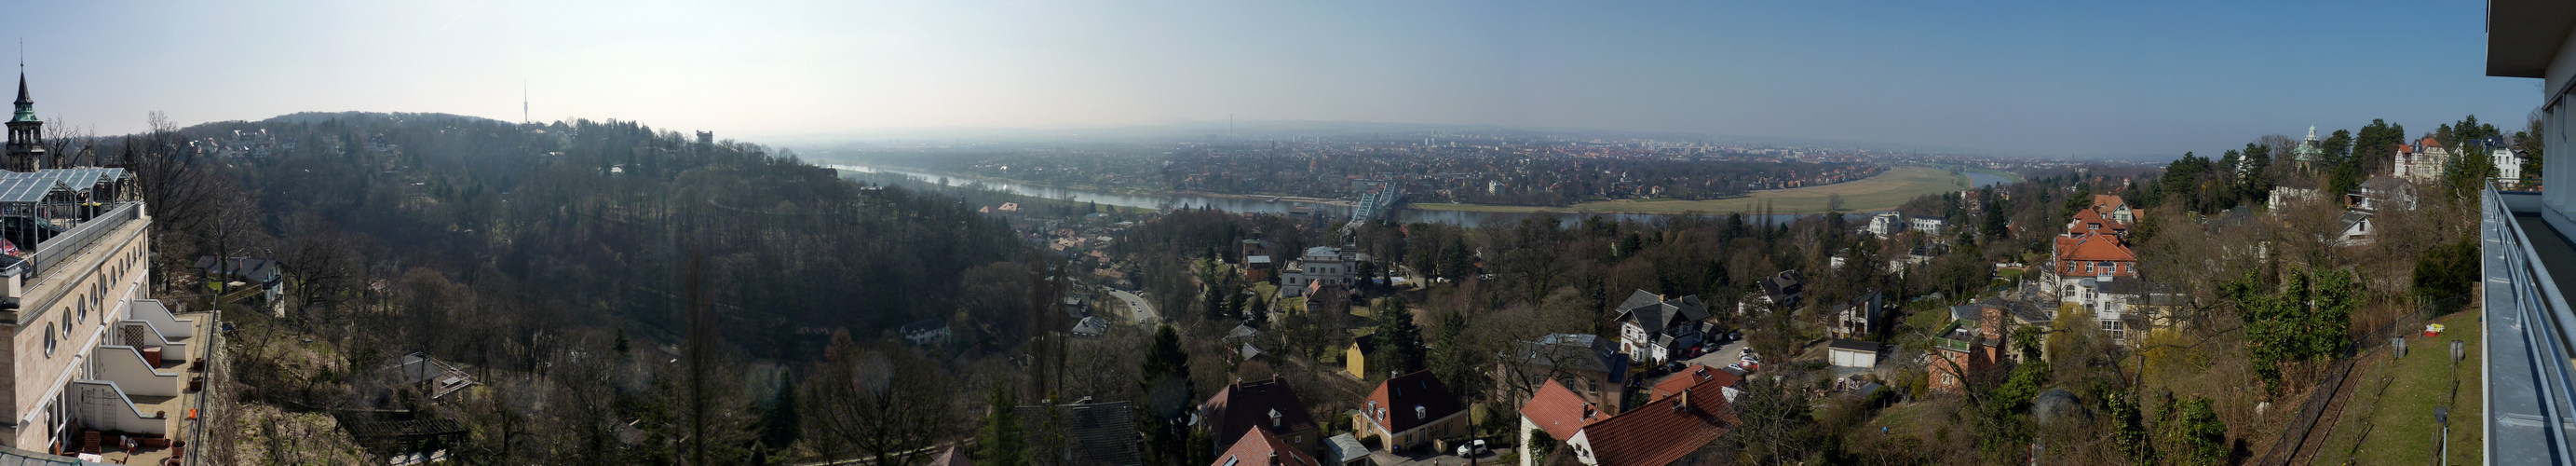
(1397, 399)
(1242, 405)
(1559, 411)
(2088, 221)
(1259, 448)
(2108, 201)
(2094, 248)
(1658, 433)
(1694, 376)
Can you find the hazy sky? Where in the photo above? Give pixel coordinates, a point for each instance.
(2037, 78)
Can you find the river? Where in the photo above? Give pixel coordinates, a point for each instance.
(1232, 204)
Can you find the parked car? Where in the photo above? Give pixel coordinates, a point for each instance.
(1471, 449)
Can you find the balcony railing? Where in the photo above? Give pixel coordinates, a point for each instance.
(2528, 341)
(63, 246)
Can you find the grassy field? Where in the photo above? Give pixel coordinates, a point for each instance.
(2390, 417)
(2016, 178)
(1885, 191)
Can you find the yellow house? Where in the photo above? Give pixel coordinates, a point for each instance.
(1355, 356)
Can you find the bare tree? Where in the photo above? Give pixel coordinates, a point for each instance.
(68, 145)
(886, 402)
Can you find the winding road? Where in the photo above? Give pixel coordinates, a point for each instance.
(1144, 313)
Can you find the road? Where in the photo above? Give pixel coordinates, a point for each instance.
(1143, 312)
(1724, 355)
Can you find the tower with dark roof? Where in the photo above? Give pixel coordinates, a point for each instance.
(26, 133)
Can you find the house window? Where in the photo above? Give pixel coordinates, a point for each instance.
(49, 339)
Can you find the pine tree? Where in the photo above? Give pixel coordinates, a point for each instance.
(1000, 442)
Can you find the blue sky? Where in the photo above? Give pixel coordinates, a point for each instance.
(2028, 78)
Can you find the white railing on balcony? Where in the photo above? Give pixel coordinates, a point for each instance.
(126, 366)
(170, 326)
(2528, 326)
(102, 405)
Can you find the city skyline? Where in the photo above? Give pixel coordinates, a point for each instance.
(2019, 79)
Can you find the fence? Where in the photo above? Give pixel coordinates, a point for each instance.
(2295, 435)
(69, 243)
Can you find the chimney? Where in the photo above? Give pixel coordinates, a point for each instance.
(1684, 404)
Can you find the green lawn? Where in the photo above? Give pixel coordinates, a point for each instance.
(1885, 191)
(2390, 421)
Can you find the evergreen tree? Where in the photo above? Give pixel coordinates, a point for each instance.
(2202, 435)
(1399, 340)
(1000, 442)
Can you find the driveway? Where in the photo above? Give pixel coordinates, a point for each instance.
(1144, 312)
(1729, 354)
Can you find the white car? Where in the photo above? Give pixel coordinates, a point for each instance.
(1473, 448)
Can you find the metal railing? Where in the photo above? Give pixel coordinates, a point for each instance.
(2527, 343)
(63, 246)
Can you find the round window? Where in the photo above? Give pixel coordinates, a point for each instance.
(49, 339)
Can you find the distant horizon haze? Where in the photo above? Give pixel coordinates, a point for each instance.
(2008, 78)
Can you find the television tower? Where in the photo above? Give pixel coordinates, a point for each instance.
(523, 102)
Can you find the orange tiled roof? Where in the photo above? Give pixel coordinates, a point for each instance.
(1559, 411)
(1259, 448)
(1660, 432)
(2099, 248)
(2107, 201)
(1694, 376)
(2089, 221)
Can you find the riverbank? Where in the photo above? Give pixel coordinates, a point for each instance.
(1885, 191)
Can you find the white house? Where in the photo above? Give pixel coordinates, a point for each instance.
(1651, 327)
(1927, 224)
(2508, 165)
(1326, 264)
(1886, 224)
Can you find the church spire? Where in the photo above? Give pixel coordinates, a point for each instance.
(26, 105)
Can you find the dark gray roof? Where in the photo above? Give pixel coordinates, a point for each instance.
(2023, 311)
(1094, 433)
(1853, 345)
(1783, 287)
(252, 269)
(1967, 312)
(1657, 313)
(1091, 326)
(1641, 298)
(1573, 352)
